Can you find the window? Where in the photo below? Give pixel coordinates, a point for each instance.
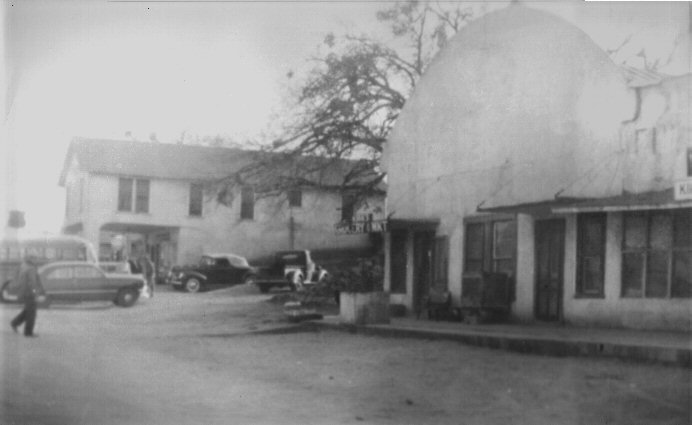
(196, 198)
(247, 203)
(591, 254)
(222, 262)
(61, 273)
(87, 273)
(490, 246)
(348, 201)
(295, 198)
(689, 162)
(657, 254)
(238, 262)
(125, 194)
(142, 200)
(133, 188)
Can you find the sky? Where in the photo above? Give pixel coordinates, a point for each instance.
(83, 68)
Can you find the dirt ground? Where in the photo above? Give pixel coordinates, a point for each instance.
(229, 357)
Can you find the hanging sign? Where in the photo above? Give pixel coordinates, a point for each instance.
(683, 190)
(353, 227)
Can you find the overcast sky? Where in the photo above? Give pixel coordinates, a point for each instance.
(101, 69)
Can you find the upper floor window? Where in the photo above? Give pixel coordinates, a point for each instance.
(689, 162)
(295, 198)
(133, 192)
(591, 254)
(348, 202)
(196, 199)
(247, 203)
(657, 254)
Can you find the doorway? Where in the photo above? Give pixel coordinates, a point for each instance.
(423, 243)
(550, 254)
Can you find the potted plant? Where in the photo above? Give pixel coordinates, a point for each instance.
(362, 299)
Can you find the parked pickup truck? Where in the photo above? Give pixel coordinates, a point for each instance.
(292, 269)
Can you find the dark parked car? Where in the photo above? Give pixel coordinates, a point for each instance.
(290, 269)
(213, 270)
(80, 281)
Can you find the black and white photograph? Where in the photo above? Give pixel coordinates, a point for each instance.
(340, 212)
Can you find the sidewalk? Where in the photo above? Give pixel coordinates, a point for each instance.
(672, 348)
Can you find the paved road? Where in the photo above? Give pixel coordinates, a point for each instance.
(227, 357)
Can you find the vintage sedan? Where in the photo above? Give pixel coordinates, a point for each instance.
(80, 281)
(213, 270)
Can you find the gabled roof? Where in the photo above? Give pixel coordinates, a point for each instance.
(178, 161)
(154, 160)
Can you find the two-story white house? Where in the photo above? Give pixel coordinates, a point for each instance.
(525, 150)
(124, 195)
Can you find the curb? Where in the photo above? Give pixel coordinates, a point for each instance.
(531, 345)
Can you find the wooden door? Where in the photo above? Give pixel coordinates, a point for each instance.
(550, 254)
(422, 265)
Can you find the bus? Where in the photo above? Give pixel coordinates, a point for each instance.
(45, 249)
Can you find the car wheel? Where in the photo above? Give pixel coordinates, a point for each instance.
(126, 297)
(5, 295)
(192, 285)
(264, 288)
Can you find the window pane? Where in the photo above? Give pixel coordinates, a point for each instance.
(635, 231)
(125, 195)
(142, 202)
(591, 251)
(474, 241)
(682, 275)
(196, 196)
(87, 272)
(661, 231)
(632, 271)
(504, 266)
(247, 204)
(503, 239)
(593, 234)
(682, 225)
(657, 274)
(222, 262)
(61, 273)
(295, 198)
(592, 277)
(347, 206)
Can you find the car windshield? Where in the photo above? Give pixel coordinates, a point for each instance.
(207, 261)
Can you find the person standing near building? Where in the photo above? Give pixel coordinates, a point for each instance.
(147, 269)
(30, 292)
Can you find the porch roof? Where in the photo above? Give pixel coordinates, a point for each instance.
(661, 199)
(533, 208)
(413, 223)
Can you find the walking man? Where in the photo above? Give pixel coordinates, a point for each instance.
(30, 290)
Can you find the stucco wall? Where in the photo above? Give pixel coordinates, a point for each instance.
(519, 106)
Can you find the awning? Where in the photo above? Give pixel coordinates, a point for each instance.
(654, 200)
(412, 224)
(532, 208)
(663, 199)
